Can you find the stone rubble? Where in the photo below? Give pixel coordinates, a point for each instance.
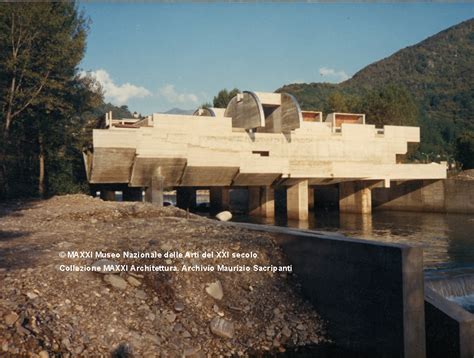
(45, 312)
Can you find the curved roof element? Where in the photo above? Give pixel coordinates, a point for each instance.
(209, 112)
(291, 116)
(283, 118)
(246, 111)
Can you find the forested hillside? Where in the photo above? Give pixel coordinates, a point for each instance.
(430, 84)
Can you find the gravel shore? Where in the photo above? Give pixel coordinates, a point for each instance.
(52, 305)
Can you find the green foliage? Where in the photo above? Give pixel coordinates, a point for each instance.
(223, 98)
(341, 102)
(436, 76)
(206, 105)
(389, 104)
(312, 96)
(465, 150)
(41, 96)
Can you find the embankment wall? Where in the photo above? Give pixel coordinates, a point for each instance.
(444, 196)
(371, 294)
(449, 328)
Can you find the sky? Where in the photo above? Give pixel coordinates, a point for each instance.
(157, 56)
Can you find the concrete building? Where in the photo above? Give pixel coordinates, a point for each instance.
(261, 141)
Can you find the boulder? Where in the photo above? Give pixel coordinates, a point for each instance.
(215, 290)
(140, 294)
(133, 281)
(222, 327)
(224, 216)
(179, 307)
(116, 281)
(170, 317)
(11, 318)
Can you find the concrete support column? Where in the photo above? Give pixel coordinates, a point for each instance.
(355, 197)
(219, 199)
(154, 192)
(254, 200)
(297, 201)
(107, 195)
(311, 199)
(186, 198)
(267, 202)
(132, 194)
(261, 201)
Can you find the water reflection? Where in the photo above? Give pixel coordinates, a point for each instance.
(447, 240)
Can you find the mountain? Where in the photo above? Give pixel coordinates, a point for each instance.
(438, 73)
(179, 111)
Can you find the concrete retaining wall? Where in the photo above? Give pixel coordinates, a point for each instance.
(445, 196)
(371, 294)
(449, 328)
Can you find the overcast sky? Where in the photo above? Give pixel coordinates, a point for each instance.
(156, 56)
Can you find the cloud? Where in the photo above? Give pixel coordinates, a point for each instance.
(332, 74)
(114, 93)
(172, 96)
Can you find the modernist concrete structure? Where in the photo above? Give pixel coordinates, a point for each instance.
(261, 141)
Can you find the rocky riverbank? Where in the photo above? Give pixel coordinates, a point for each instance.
(49, 307)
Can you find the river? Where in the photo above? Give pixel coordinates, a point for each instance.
(447, 241)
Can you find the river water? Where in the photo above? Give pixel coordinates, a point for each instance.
(447, 239)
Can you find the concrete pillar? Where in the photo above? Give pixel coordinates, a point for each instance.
(311, 199)
(267, 202)
(132, 194)
(297, 201)
(355, 197)
(154, 192)
(186, 198)
(107, 195)
(261, 201)
(254, 200)
(219, 199)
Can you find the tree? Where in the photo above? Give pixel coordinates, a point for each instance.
(390, 104)
(464, 151)
(206, 105)
(340, 102)
(62, 132)
(41, 45)
(223, 97)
